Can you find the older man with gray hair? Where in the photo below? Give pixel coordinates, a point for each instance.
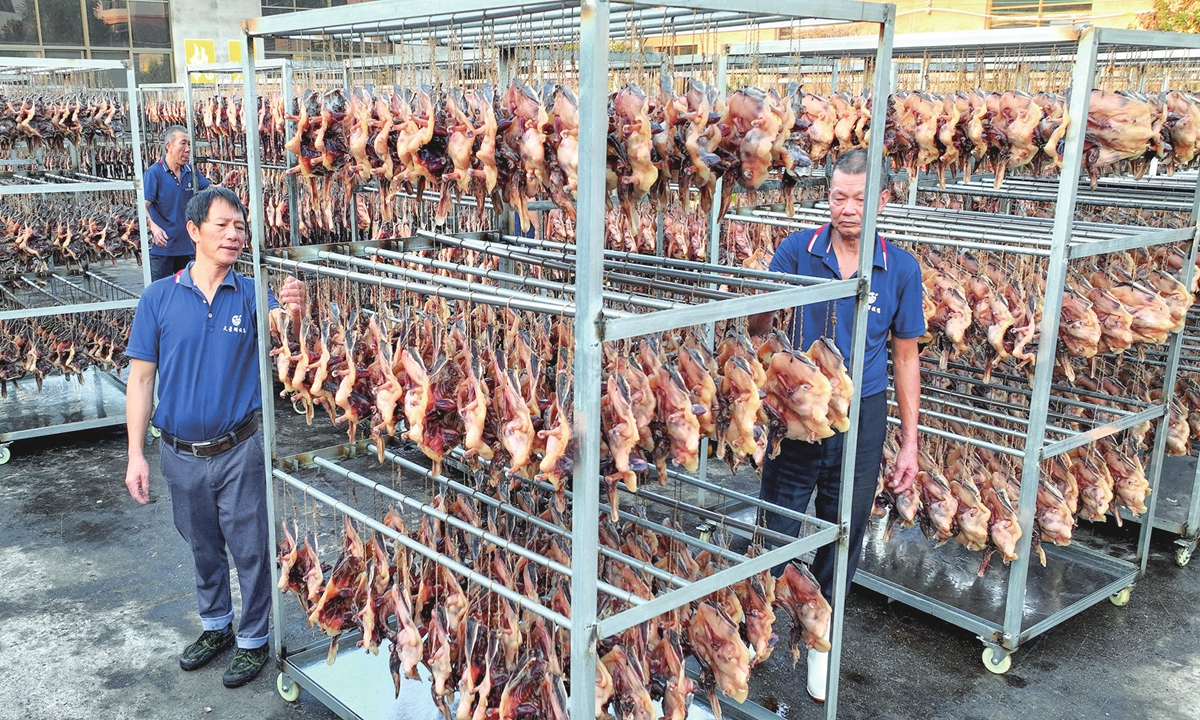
(169, 184)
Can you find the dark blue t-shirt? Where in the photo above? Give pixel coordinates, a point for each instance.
(168, 198)
(207, 356)
(895, 300)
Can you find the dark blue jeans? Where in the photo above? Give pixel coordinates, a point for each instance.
(162, 266)
(800, 468)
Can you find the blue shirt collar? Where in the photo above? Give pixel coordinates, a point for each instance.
(822, 246)
(184, 277)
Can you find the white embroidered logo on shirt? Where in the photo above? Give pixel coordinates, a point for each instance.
(237, 319)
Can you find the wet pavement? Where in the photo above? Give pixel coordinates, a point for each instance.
(98, 601)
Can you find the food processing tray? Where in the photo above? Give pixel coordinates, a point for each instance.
(944, 581)
(62, 405)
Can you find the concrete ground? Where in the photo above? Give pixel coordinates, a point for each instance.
(98, 601)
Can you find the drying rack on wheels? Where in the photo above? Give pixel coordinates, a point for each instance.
(596, 23)
(63, 406)
(1179, 514)
(1007, 609)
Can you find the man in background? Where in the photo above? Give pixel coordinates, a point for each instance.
(169, 184)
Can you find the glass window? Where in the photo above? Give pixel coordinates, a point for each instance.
(153, 68)
(149, 24)
(110, 54)
(67, 54)
(62, 22)
(108, 23)
(18, 22)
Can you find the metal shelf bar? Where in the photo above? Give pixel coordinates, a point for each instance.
(703, 267)
(500, 250)
(628, 298)
(504, 543)
(959, 438)
(483, 298)
(65, 309)
(443, 560)
(48, 188)
(646, 567)
(431, 278)
(666, 602)
(647, 323)
(1103, 431)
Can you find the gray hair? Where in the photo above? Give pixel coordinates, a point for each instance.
(855, 163)
(198, 207)
(170, 133)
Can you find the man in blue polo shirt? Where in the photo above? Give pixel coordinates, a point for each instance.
(789, 479)
(197, 331)
(169, 184)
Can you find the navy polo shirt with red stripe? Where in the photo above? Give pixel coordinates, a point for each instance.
(895, 300)
(168, 197)
(207, 355)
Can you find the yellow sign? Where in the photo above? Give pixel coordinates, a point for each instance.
(200, 52)
(235, 55)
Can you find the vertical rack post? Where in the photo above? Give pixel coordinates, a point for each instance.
(189, 110)
(714, 247)
(866, 262)
(135, 141)
(1154, 472)
(265, 377)
(285, 87)
(1056, 274)
(589, 286)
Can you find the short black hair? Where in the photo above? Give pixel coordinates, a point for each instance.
(170, 133)
(855, 163)
(201, 202)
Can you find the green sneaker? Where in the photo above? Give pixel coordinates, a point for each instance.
(210, 644)
(245, 665)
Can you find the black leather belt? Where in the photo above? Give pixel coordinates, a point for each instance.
(209, 448)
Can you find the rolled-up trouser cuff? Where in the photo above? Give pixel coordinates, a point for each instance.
(217, 623)
(251, 643)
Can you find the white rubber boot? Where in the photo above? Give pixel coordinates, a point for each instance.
(818, 674)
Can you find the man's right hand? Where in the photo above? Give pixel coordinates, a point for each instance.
(159, 235)
(137, 479)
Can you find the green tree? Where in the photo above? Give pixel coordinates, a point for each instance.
(1171, 16)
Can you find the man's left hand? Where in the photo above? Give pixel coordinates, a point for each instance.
(905, 469)
(294, 296)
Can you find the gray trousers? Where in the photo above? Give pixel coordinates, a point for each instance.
(220, 502)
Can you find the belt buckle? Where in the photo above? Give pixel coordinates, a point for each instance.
(197, 447)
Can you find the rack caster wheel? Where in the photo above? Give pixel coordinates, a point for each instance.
(1183, 556)
(1121, 599)
(291, 692)
(155, 432)
(298, 407)
(998, 665)
(5, 455)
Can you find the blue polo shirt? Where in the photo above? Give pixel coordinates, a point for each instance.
(207, 356)
(895, 300)
(168, 198)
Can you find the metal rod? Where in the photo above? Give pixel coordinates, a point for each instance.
(711, 515)
(741, 497)
(425, 289)
(503, 543)
(627, 298)
(435, 280)
(443, 560)
(646, 567)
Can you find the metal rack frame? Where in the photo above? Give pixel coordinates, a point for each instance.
(286, 68)
(596, 21)
(1033, 602)
(1175, 194)
(107, 415)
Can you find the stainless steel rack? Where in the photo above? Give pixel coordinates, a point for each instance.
(63, 406)
(596, 23)
(1007, 611)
